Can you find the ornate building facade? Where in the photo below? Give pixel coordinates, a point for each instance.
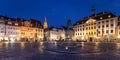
(12, 29)
(53, 33)
(101, 26)
(31, 30)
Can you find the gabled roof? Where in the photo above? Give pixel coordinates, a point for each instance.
(99, 16)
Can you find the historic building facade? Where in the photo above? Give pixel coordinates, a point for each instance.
(31, 30)
(12, 29)
(103, 25)
(53, 33)
(2, 28)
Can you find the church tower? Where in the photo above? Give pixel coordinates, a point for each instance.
(45, 23)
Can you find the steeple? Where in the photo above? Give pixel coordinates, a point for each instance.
(45, 23)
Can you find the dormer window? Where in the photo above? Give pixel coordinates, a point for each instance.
(16, 24)
(101, 18)
(109, 16)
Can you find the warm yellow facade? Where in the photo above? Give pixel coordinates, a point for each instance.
(93, 29)
(90, 29)
(31, 33)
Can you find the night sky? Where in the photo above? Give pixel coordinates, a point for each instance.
(57, 12)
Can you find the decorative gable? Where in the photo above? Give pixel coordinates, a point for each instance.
(90, 21)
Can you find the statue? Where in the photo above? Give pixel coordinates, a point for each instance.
(69, 30)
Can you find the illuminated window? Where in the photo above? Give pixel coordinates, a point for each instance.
(16, 24)
(109, 16)
(100, 17)
(9, 22)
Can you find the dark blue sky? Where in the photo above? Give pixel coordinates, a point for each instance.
(56, 11)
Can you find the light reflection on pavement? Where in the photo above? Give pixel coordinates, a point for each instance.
(50, 51)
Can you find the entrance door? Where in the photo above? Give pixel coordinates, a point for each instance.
(91, 39)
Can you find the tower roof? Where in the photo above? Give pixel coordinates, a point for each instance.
(45, 23)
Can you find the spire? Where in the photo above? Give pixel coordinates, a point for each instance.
(45, 23)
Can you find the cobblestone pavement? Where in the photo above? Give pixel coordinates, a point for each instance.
(42, 51)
